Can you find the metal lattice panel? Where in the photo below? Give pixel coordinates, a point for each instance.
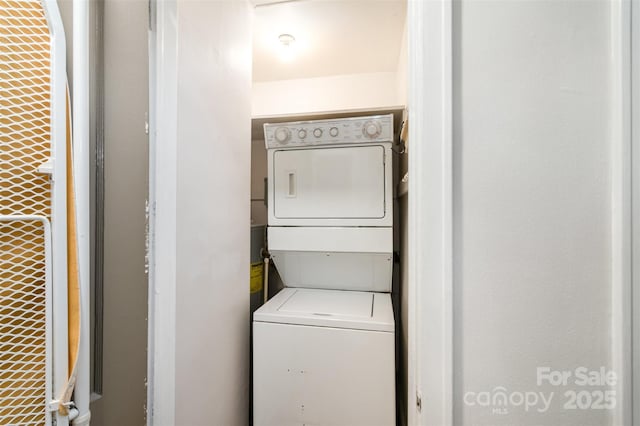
(22, 324)
(25, 129)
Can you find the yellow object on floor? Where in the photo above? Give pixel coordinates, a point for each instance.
(255, 277)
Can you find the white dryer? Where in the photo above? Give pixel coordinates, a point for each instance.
(330, 172)
(324, 346)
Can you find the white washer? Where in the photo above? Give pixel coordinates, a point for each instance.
(324, 357)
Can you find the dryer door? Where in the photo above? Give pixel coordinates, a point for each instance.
(326, 183)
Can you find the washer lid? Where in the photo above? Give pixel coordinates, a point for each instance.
(329, 308)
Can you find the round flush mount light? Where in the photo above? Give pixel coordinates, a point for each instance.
(286, 39)
(286, 46)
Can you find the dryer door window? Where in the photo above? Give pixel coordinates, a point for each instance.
(329, 183)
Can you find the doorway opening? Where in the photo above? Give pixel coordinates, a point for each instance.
(330, 60)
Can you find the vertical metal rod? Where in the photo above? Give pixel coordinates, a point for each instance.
(98, 289)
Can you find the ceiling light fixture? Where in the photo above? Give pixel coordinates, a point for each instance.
(286, 46)
(286, 39)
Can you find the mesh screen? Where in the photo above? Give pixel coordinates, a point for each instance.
(25, 131)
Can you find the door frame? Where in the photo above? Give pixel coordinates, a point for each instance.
(430, 287)
(162, 215)
(624, 196)
(430, 245)
(634, 184)
(430, 388)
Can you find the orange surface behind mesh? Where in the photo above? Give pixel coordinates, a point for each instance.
(25, 131)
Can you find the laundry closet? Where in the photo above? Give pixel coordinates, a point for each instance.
(329, 212)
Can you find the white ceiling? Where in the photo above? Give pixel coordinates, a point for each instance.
(332, 37)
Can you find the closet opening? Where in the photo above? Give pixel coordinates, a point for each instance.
(315, 63)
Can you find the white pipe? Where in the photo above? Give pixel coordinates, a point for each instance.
(73, 413)
(266, 280)
(81, 161)
(58, 202)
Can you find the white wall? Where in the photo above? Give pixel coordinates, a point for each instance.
(402, 71)
(635, 212)
(532, 192)
(212, 300)
(126, 102)
(124, 28)
(332, 93)
(201, 266)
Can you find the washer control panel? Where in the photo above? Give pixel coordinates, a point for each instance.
(375, 128)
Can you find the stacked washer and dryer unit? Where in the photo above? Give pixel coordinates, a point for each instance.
(323, 346)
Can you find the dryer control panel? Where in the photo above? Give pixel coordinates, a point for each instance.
(355, 130)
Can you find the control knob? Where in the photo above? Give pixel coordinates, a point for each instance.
(302, 133)
(317, 132)
(333, 132)
(371, 129)
(282, 135)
